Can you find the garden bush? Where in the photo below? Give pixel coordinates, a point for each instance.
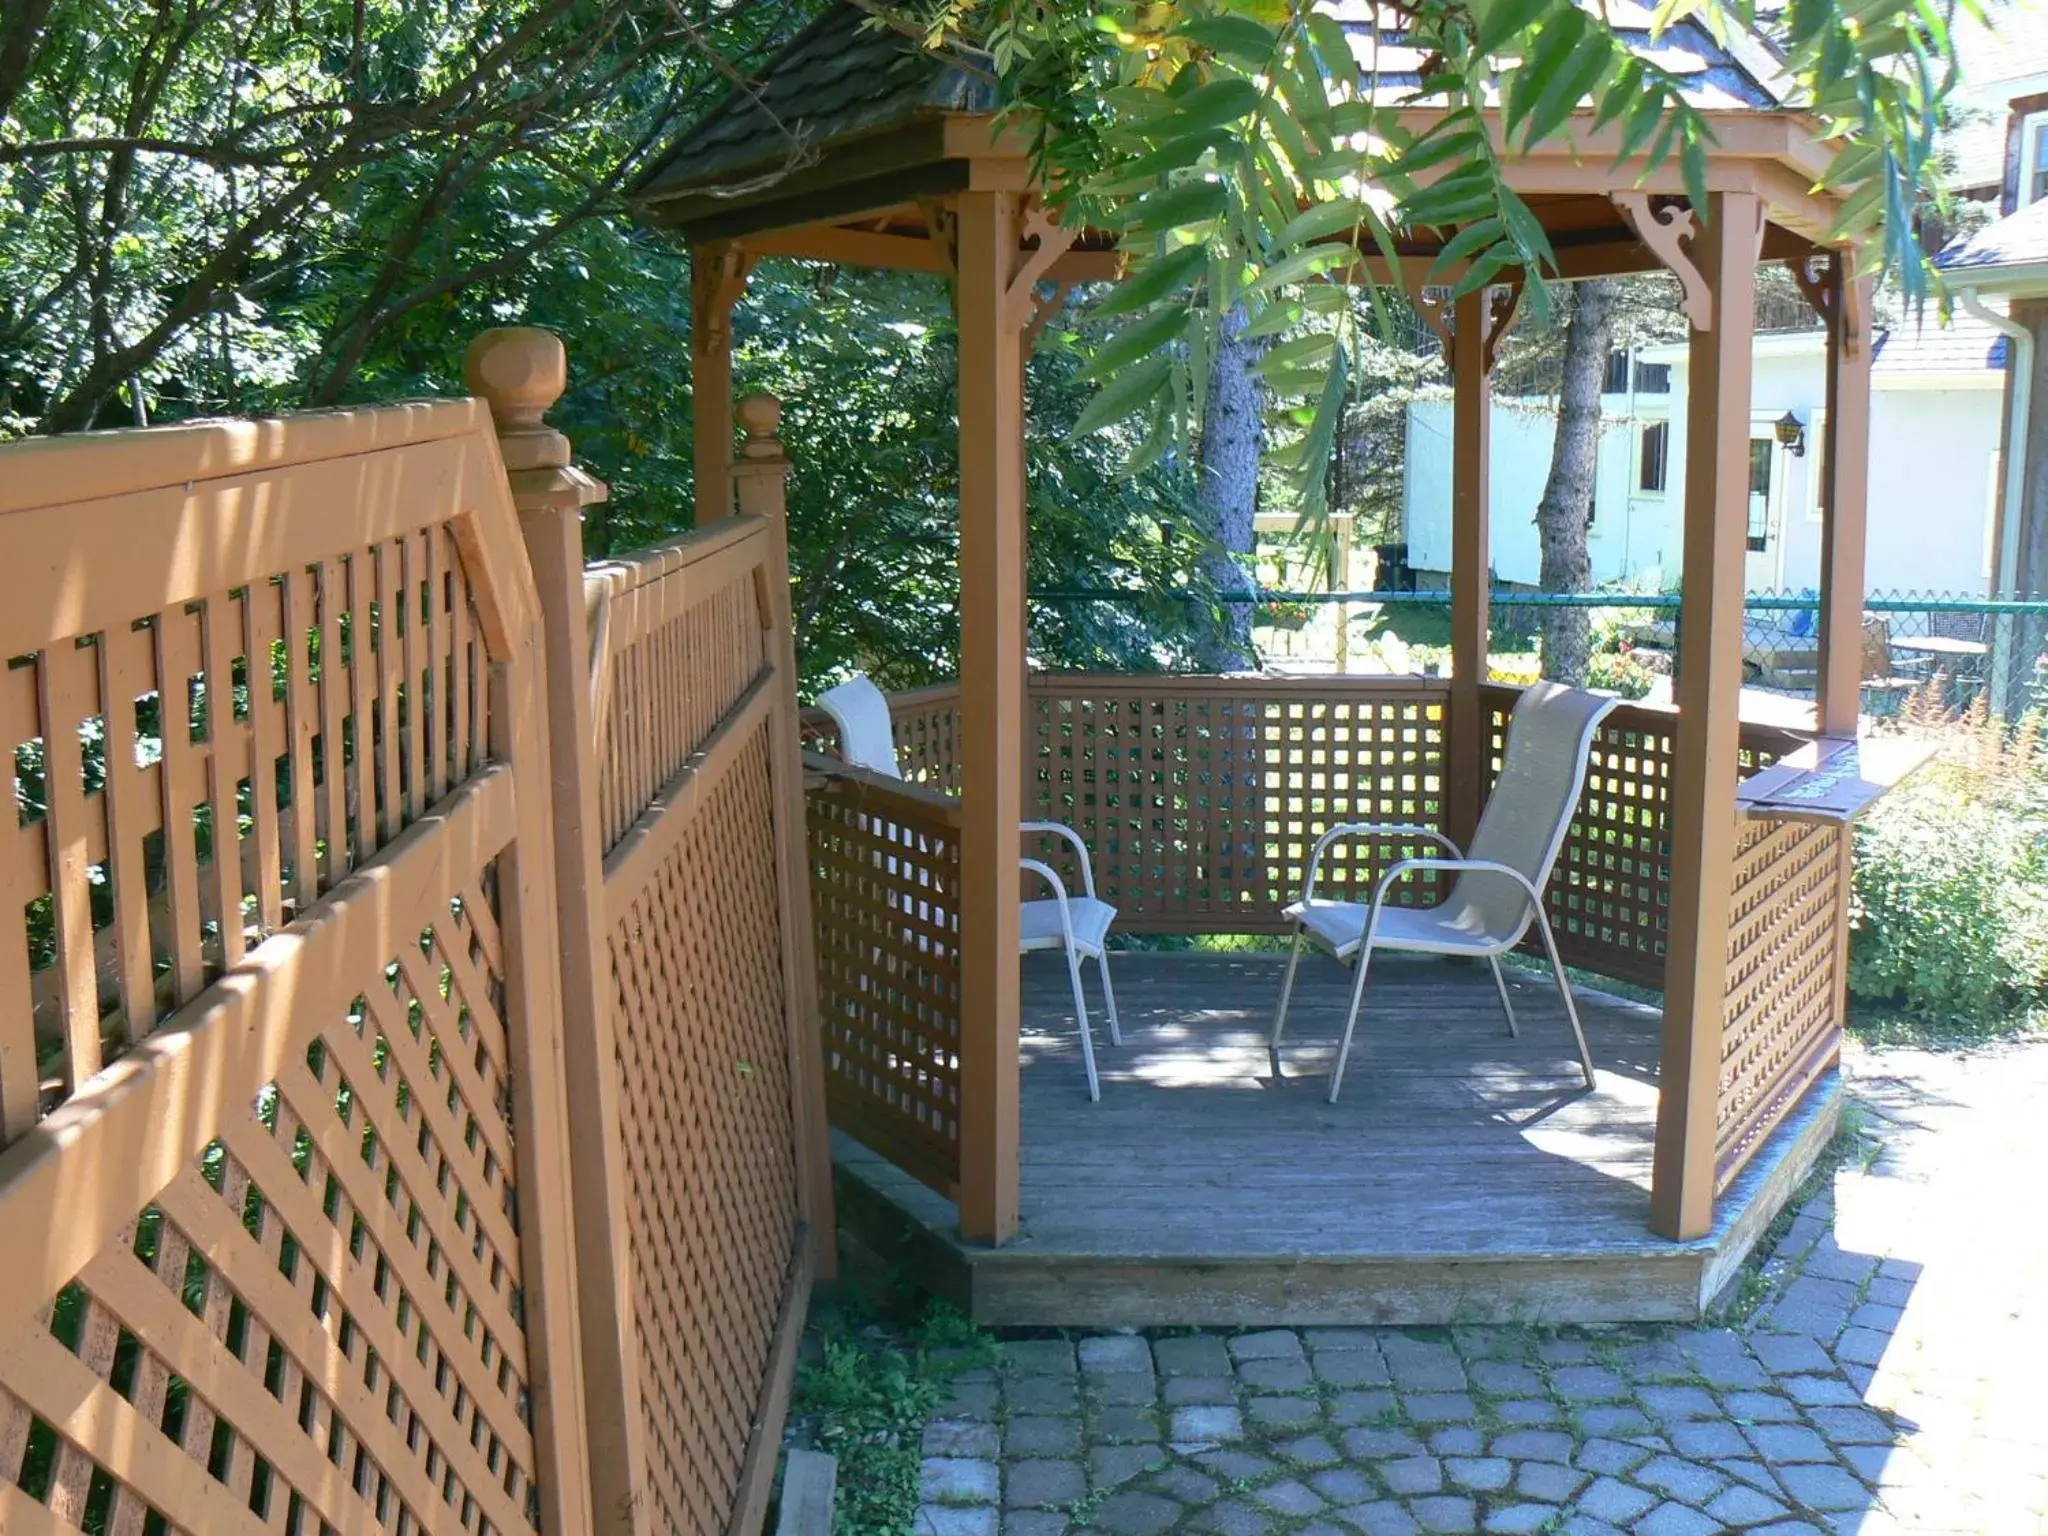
(1951, 914)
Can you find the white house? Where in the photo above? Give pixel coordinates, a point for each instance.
(1934, 442)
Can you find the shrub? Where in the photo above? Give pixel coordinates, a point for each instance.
(1951, 913)
(1620, 672)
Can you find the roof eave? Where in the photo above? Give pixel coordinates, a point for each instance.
(2021, 279)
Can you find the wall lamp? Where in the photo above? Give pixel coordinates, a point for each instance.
(1791, 434)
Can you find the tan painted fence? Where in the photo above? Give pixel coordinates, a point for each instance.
(297, 1255)
(409, 1124)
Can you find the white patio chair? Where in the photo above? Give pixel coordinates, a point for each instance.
(1077, 925)
(1499, 889)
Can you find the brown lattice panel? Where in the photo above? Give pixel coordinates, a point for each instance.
(315, 712)
(885, 899)
(319, 1324)
(1201, 798)
(1785, 950)
(684, 640)
(707, 1133)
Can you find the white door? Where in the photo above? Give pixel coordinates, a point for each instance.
(1765, 565)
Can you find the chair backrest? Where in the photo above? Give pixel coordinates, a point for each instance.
(1550, 736)
(861, 711)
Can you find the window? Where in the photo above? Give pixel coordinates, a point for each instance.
(1656, 448)
(1653, 378)
(2033, 158)
(1617, 374)
(1761, 452)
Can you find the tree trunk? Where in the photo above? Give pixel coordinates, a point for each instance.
(1565, 513)
(1227, 466)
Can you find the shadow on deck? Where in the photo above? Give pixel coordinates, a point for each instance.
(1464, 1174)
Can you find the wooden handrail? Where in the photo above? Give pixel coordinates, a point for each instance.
(896, 799)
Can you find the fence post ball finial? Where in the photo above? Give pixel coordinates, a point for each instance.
(760, 415)
(521, 370)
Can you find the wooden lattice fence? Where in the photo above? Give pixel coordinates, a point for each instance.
(885, 857)
(410, 1113)
(1787, 949)
(289, 1242)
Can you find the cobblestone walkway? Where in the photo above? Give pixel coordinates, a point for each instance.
(1894, 1377)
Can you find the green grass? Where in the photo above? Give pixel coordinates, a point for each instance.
(872, 1384)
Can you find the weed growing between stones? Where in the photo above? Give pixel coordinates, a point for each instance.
(865, 1393)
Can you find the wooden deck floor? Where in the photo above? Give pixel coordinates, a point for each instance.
(1464, 1173)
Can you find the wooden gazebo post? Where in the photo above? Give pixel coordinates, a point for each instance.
(991, 708)
(1708, 731)
(1844, 303)
(1471, 559)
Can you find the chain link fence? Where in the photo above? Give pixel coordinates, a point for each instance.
(1974, 647)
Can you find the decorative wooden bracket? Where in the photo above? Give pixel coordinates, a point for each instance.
(1820, 288)
(1054, 241)
(721, 282)
(1503, 309)
(1669, 232)
(1436, 313)
(1043, 308)
(944, 225)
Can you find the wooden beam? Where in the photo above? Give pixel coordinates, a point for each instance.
(1704, 770)
(1471, 556)
(991, 711)
(1845, 497)
(911, 253)
(718, 278)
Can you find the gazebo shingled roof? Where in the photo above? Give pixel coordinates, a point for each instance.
(848, 75)
(858, 147)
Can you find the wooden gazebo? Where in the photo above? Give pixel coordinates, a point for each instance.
(1689, 868)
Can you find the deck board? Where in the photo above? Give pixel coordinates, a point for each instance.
(1453, 1144)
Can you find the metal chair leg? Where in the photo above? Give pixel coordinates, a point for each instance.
(1564, 987)
(1116, 1033)
(1500, 983)
(1351, 1021)
(1286, 994)
(1081, 1019)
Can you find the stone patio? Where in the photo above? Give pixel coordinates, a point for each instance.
(1890, 1378)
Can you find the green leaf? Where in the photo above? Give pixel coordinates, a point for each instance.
(1301, 352)
(1338, 216)
(1139, 339)
(1294, 381)
(1176, 153)
(1238, 38)
(1574, 76)
(1547, 58)
(1501, 20)
(1278, 316)
(1435, 147)
(1191, 202)
(1158, 440)
(1315, 260)
(1643, 120)
(1333, 46)
(1461, 246)
(1138, 101)
(1154, 280)
(1220, 101)
(1127, 392)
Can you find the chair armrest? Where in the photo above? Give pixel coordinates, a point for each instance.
(1060, 829)
(1350, 829)
(1059, 892)
(1406, 867)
